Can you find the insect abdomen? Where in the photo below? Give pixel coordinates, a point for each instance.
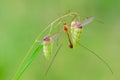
(47, 49)
(76, 28)
(76, 36)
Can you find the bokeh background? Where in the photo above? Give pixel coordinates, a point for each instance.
(22, 20)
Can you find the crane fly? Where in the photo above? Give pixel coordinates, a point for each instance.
(75, 29)
(49, 40)
(47, 48)
(48, 45)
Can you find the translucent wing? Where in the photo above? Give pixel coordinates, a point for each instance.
(55, 36)
(87, 21)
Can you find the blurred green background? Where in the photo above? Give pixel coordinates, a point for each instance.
(22, 20)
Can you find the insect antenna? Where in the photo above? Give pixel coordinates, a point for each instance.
(98, 57)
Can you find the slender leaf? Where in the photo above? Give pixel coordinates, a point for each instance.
(35, 53)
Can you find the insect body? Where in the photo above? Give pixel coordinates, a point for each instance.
(47, 47)
(47, 44)
(76, 29)
(66, 29)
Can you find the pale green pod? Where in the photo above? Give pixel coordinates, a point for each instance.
(76, 29)
(75, 32)
(76, 36)
(47, 47)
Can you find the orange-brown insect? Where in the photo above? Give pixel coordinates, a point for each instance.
(66, 29)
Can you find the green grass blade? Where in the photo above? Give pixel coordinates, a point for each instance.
(35, 53)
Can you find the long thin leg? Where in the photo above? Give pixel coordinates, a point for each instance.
(98, 57)
(46, 72)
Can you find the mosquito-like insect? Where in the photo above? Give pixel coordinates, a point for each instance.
(48, 41)
(48, 45)
(76, 28)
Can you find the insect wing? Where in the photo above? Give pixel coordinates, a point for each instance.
(87, 21)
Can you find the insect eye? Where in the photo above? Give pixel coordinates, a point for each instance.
(76, 24)
(46, 38)
(79, 25)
